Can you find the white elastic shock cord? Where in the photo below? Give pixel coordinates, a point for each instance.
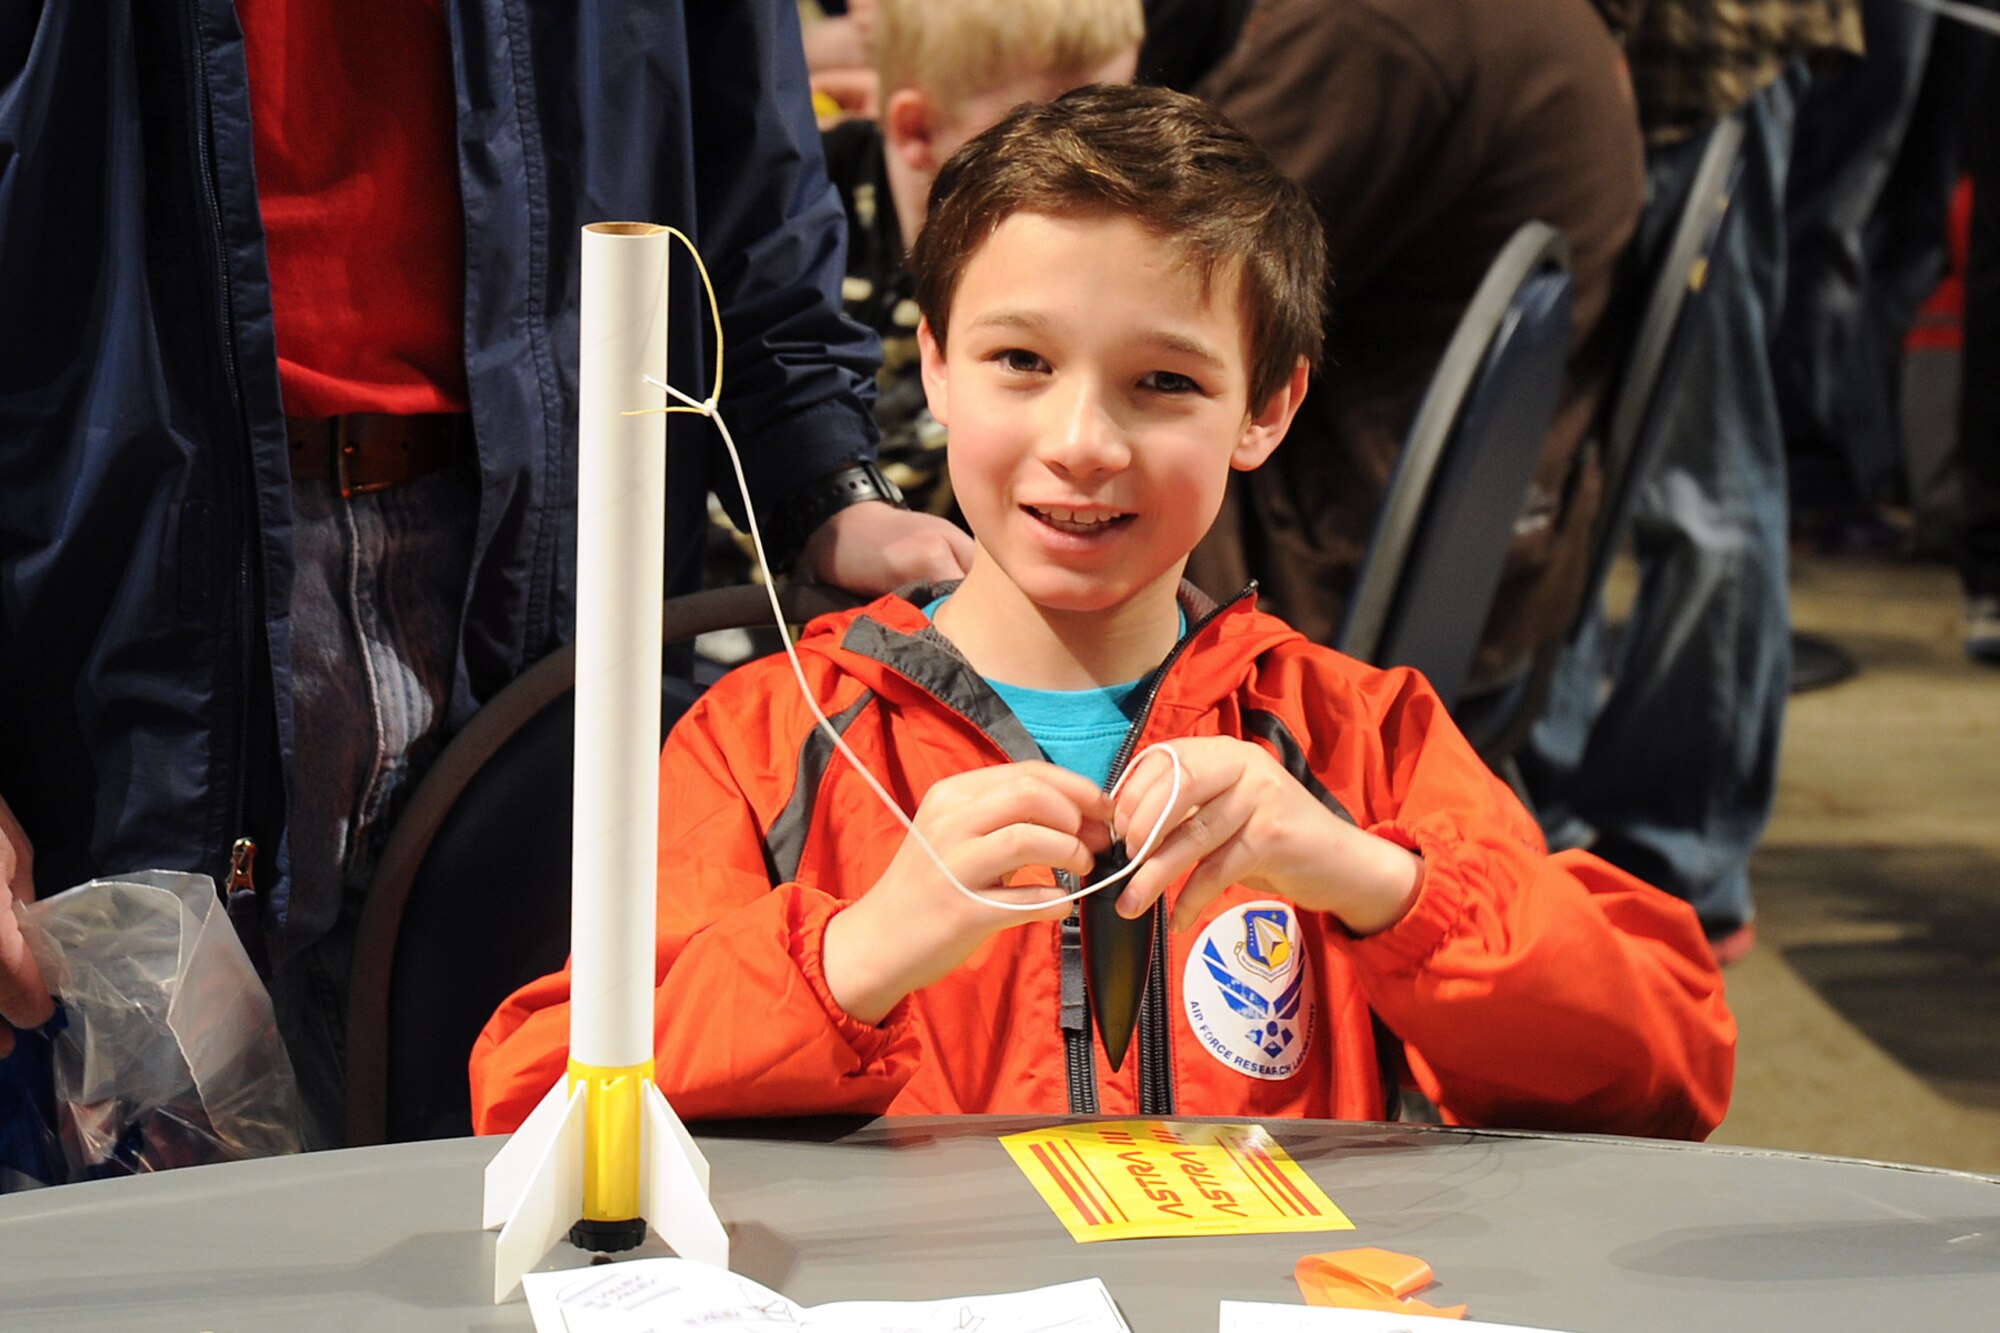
(709, 410)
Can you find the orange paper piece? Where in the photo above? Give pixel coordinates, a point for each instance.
(1369, 1279)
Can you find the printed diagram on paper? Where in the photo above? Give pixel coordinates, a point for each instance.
(665, 1295)
(1121, 1179)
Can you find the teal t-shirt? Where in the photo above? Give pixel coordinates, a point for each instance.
(1079, 729)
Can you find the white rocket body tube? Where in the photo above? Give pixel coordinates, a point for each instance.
(620, 559)
(604, 1146)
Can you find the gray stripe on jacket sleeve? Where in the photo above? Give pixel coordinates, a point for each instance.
(785, 844)
(1270, 727)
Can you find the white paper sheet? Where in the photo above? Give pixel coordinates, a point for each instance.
(1258, 1317)
(664, 1295)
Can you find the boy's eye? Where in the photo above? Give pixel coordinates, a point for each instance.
(1168, 381)
(1020, 360)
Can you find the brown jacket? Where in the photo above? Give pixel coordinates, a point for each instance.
(1427, 131)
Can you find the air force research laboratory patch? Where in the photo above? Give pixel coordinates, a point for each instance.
(1248, 990)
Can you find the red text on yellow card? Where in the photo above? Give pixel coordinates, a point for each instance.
(1119, 1179)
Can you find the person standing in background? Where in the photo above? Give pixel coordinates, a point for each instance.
(1878, 155)
(1671, 774)
(1427, 132)
(287, 408)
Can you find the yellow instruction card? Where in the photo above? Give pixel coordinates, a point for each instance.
(1114, 1180)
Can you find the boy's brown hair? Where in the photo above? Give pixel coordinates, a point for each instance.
(1169, 162)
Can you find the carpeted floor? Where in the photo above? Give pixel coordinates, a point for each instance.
(1870, 1011)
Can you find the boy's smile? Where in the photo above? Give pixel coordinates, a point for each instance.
(1076, 521)
(1097, 398)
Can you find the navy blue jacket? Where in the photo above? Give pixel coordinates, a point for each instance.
(145, 552)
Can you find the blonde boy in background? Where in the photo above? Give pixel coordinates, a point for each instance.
(947, 69)
(944, 71)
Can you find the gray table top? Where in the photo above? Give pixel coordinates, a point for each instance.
(1594, 1235)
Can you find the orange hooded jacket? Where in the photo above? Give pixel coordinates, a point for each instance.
(1521, 990)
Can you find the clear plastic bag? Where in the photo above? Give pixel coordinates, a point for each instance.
(165, 1050)
(30, 1156)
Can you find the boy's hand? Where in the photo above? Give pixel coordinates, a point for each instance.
(912, 927)
(1242, 819)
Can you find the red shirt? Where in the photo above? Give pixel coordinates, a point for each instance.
(355, 132)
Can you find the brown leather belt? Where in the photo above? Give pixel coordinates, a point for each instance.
(367, 451)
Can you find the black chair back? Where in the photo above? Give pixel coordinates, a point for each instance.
(1634, 430)
(1672, 284)
(1427, 582)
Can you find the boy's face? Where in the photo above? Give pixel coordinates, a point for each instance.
(1097, 400)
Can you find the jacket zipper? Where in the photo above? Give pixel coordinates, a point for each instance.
(1072, 1007)
(1079, 1055)
(1156, 1043)
(242, 531)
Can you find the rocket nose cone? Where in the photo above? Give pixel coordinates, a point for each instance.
(1117, 953)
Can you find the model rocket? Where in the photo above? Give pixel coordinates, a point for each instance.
(604, 1155)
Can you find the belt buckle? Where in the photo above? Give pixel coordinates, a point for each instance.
(344, 448)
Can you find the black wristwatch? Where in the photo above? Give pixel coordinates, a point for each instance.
(799, 515)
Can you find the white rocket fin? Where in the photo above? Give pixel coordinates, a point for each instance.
(547, 1197)
(673, 1185)
(508, 1173)
(681, 1135)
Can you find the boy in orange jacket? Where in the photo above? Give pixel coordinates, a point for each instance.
(1121, 304)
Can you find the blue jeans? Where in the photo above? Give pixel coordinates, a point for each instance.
(1874, 160)
(376, 605)
(1663, 757)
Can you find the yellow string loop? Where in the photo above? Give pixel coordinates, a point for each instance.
(715, 311)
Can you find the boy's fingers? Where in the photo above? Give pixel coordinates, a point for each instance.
(1055, 911)
(1143, 815)
(1150, 776)
(1049, 901)
(1156, 874)
(1135, 895)
(1208, 874)
(1090, 799)
(1171, 858)
(1019, 797)
(1203, 887)
(1125, 810)
(1202, 781)
(1205, 834)
(995, 856)
(1154, 765)
(1078, 790)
